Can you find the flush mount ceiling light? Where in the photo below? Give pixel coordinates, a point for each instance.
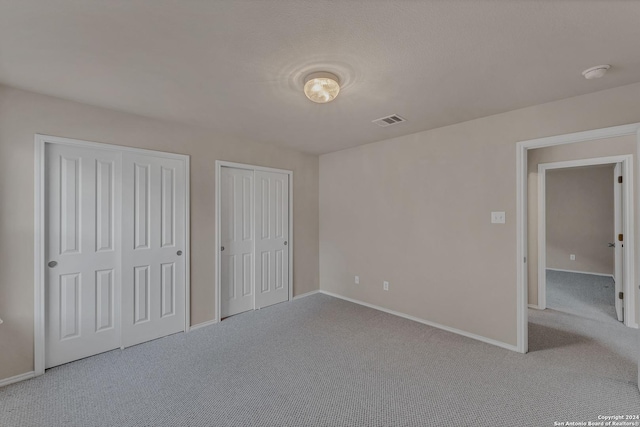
(321, 87)
(595, 72)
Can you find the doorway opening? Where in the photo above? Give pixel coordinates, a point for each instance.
(584, 218)
(254, 237)
(550, 330)
(523, 234)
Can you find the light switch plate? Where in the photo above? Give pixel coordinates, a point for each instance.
(357, 280)
(385, 285)
(498, 217)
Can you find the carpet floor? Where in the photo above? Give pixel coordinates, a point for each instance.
(321, 361)
(585, 295)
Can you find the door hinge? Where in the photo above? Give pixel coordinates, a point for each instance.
(620, 237)
(619, 180)
(620, 295)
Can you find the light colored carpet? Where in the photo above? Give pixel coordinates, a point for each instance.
(320, 361)
(585, 295)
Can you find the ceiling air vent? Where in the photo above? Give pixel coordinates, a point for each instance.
(389, 120)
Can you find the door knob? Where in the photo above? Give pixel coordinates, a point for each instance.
(222, 248)
(52, 264)
(179, 253)
(612, 245)
(285, 243)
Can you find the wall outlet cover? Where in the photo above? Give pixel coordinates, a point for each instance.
(385, 285)
(357, 280)
(498, 217)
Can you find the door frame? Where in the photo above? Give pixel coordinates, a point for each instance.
(217, 253)
(627, 227)
(40, 232)
(522, 328)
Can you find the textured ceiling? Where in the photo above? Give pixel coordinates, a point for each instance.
(237, 66)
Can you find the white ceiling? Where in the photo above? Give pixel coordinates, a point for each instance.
(237, 66)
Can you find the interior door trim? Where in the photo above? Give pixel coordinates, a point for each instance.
(219, 165)
(40, 229)
(522, 191)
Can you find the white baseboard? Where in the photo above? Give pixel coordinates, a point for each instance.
(17, 378)
(534, 306)
(427, 322)
(580, 272)
(306, 294)
(211, 322)
(202, 325)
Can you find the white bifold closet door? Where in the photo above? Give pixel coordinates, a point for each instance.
(115, 233)
(82, 251)
(236, 238)
(254, 233)
(153, 242)
(272, 238)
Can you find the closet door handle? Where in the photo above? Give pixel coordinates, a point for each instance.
(222, 248)
(179, 253)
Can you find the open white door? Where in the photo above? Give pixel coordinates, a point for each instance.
(618, 244)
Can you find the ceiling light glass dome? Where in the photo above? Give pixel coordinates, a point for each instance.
(321, 87)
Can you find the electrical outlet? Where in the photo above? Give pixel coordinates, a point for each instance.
(357, 280)
(498, 217)
(572, 257)
(385, 285)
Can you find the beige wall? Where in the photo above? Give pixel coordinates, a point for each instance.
(22, 114)
(415, 210)
(577, 151)
(580, 219)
